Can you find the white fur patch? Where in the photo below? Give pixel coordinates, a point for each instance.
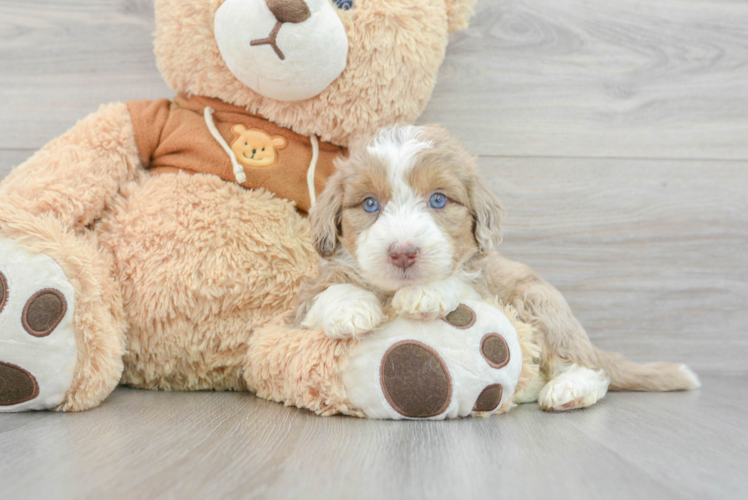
(345, 311)
(692, 376)
(399, 147)
(575, 387)
(432, 300)
(51, 359)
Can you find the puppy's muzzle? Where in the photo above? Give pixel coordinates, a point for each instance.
(403, 255)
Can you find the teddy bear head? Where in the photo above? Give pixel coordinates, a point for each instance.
(254, 147)
(331, 68)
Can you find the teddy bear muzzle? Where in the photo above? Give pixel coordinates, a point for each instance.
(288, 50)
(285, 11)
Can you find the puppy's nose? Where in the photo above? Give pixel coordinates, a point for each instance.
(289, 11)
(403, 255)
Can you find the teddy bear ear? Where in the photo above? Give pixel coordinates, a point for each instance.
(279, 142)
(238, 129)
(459, 13)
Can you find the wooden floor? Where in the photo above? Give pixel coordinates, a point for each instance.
(616, 133)
(208, 445)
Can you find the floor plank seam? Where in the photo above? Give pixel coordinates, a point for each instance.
(612, 158)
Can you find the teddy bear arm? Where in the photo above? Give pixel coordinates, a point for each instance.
(75, 177)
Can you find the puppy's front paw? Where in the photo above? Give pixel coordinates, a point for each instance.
(424, 302)
(344, 311)
(353, 319)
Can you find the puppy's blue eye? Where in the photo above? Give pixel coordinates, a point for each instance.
(343, 4)
(437, 200)
(371, 205)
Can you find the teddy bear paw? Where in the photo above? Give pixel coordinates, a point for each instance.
(467, 364)
(38, 350)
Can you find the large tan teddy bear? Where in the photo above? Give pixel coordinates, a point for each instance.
(149, 244)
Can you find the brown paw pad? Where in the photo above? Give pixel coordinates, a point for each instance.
(495, 350)
(43, 312)
(16, 385)
(463, 317)
(415, 380)
(489, 399)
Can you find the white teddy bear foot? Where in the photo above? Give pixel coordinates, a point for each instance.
(37, 342)
(467, 364)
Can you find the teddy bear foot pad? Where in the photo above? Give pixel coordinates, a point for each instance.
(468, 364)
(37, 341)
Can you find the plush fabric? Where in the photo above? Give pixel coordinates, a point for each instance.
(307, 369)
(301, 368)
(297, 48)
(98, 320)
(395, 50)
(44, 209)
(170, 276)
(200, 263)
(173, 136)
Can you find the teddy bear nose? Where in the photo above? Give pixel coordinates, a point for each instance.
(403, 255)
(289, 11)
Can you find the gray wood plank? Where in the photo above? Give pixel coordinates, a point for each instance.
(651, 255)
(624, 78)
(143, 444)
(61, 61)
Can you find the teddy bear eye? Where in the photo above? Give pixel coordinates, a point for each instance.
(343, 4)
(263, 149)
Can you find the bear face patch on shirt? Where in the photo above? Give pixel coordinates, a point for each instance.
(256, 148)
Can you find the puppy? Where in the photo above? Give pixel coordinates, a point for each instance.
(406, 227)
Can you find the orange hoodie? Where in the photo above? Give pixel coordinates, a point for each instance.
(174, 136)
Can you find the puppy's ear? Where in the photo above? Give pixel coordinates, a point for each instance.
(325, 216)
(487, 215)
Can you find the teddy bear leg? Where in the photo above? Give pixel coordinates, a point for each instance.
(61, 316)
(469, 365)
(61, 327)
(302, 368)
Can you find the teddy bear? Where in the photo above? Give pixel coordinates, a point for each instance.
(158, 244)
(255, 148)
